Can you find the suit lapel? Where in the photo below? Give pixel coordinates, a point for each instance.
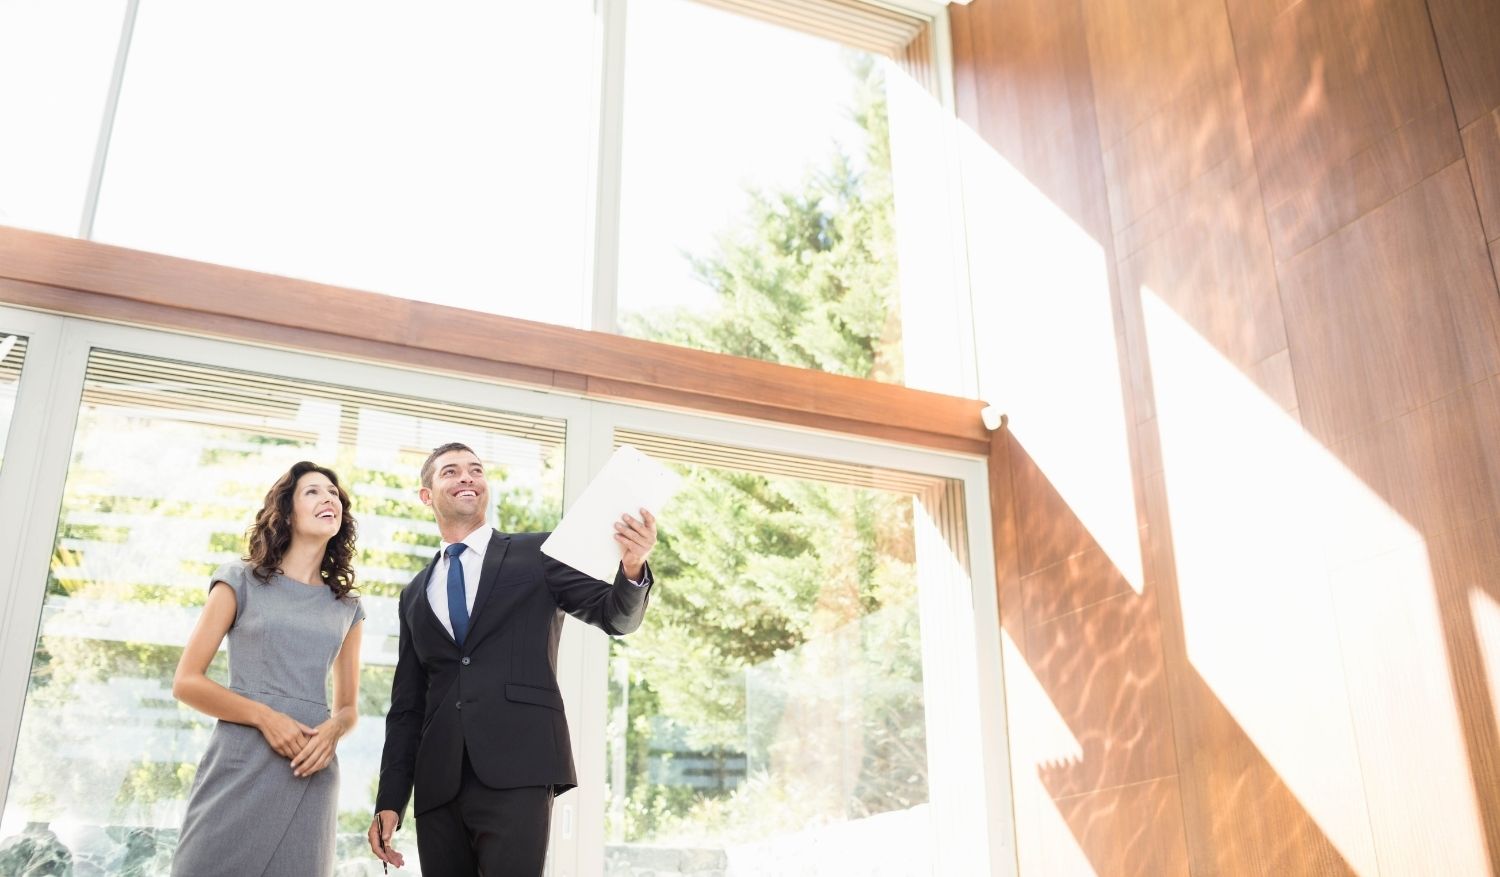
(489, 572)
(426, 607)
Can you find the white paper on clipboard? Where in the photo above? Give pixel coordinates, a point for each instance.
(629, 482)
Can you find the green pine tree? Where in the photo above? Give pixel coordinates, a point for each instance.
(755, 566)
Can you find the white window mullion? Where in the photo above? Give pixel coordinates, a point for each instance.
(610, 29)
(31, 487)
(107, 122)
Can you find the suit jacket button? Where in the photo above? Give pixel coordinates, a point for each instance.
(465, 662)
(459, 705)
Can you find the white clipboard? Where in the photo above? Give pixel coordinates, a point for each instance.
(629, 482)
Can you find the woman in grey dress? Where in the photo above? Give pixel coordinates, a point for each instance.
(264, 799)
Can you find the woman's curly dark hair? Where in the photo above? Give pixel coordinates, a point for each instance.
(271, 534)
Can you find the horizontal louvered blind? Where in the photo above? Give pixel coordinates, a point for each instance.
(10, 363)
(941, 498)
(874, 27)
(272, 404)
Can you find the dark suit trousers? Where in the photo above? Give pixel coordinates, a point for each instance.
(485, 831)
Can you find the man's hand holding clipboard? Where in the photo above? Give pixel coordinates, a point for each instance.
(612, 524)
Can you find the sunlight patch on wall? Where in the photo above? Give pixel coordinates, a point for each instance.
(935, 331)
(1046, 346)
(1486, 612)
(1039, 739)
(1308, 610)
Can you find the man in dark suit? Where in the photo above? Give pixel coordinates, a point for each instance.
(476, 721)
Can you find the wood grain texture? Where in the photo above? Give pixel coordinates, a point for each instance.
(1394, 311)
(1466, 575)
(1239, 816)
(1033, 98)
(1101, 667)
(1436, 466)
(1130, 831)
(1213, 267)
(1003, 525)
(961, 28)
(1047, 532)
(1347, 107)
(1468, 37)
(1482, 151)
(1081, 580)
(1345, 273)
(1145, 56)
(1198, 132)
(95, 280)
(1405, 702)
(1362, 183)
(1191, 115)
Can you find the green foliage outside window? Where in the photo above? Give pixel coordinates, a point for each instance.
(756, 568)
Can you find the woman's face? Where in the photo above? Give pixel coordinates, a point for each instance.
(317, 512)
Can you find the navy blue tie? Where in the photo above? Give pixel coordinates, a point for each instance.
(458, 607)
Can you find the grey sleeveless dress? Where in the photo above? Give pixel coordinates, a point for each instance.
(247, 815)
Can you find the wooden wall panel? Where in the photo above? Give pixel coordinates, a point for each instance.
(1347, 107)
(1101, 666)
(1139, 66)
(1482, 149)
(1394, 311)
(1289, 180)
(1468, 36)
(1091, 675)
(1080, 580)
(1466, 573)
(1031, 79)
(1213, 267)
(1168, 99)
(1435, 465)
(1003, 525)
(1240, 815)
(1132, 831)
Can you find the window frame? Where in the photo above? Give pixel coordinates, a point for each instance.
(975, 825)
(945, 283)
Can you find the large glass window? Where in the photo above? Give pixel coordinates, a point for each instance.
(439, 153)
(771, 718)
(737, 172)
(756, 213)
(56, 58)
(169, 463)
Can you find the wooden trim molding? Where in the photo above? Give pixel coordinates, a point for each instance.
(88, 279)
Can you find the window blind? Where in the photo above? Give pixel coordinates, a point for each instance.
(874, 27)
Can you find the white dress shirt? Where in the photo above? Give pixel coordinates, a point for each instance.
(472, 561)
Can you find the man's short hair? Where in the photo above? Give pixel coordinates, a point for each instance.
(438, 451)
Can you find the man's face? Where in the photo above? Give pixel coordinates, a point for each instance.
(459, 491)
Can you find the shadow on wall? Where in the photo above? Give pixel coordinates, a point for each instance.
(1231, 646)
(1297, 684)
(1091, 723)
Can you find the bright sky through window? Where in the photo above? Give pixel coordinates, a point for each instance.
(55, 62)
(438, 152)
(715, 103)
(442, 154)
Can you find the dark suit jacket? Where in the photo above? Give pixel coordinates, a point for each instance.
(496, 696)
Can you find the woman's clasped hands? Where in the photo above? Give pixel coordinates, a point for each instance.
(308, 750)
